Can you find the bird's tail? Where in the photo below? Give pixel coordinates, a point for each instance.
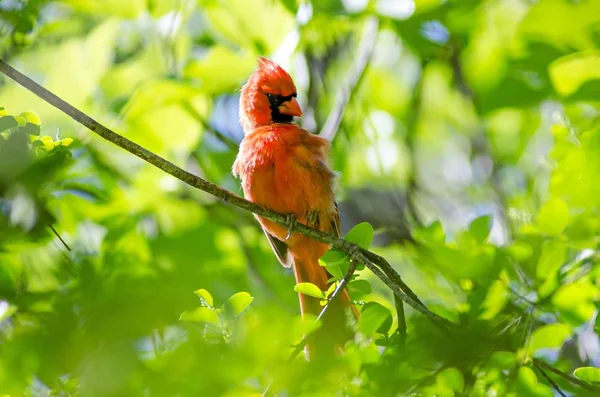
(334, 331)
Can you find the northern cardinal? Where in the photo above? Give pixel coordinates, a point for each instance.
(284, 167)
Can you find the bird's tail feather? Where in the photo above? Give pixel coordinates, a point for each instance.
(334, 331)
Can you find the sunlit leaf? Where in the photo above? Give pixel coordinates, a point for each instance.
(480, 228)
(205, 296)
(237, 303)
(309, 289)
(495, 300)
(551, 259)
(553, 217)
(201, 315)
(528, 385)
(588, 374)
(361, 234)
(549, 336)
(571, 72)
(374, 318)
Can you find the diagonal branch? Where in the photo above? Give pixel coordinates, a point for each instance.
(584, 385)
(338, 290)
(378, 265)
(365, 51)
(555, 386)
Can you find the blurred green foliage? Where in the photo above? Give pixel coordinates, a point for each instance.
(478, 119)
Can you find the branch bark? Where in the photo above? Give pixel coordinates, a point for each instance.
(378, 265)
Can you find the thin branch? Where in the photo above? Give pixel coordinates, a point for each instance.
(549, 379)
(572, 379)
(60, 238)
(365, 51)
(377, 264)
(338, 290)
(399, 304)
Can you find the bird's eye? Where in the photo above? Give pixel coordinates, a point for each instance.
(270, 96)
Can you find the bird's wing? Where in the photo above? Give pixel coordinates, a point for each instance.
(280, 248)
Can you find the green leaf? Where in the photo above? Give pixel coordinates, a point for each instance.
(361, 234)
(451, 378)
(238, 303)
(495, 300)
(549, 336)
(200, 315)
(309, 289)
(575, 302)
(333, 256)
(361, 286)
(374, 318)
(571, 72)
(588, 374)
(551, 259)
(205, 297)
(7, 122)
(528, 385)
(31, 129)
(480, 228)
(433, 234)
(290, 5)
(553, 217)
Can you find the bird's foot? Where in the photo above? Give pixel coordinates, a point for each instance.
(290, 222)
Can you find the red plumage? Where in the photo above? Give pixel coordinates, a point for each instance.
(284, 167)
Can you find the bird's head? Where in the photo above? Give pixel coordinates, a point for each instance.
(268, 97)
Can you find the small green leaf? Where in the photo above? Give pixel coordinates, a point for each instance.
(588, 374)
(552, 257)
(434, 233)
(451, 378)
(205, 296)
(331, 288)
(549, 336)
(332, 257)
(480, 228)
(361, 234)
(570, 72)
(31, 117)
(495, 300)
(31, 129)
(362, 286)
(200, 315)
(309, 289)
(7, 122)
(238, 303)
(374, 318)
(553, 217)
(528, 385)
(335, 271)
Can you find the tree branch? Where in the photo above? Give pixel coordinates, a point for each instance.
(549, 379)
(365, 51)
(572, 379)
(378, 265)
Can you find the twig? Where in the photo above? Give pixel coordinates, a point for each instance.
(365, 51)
(552, 382)
(572, 379)
(355, 252)
(338, 290)
(399, 304)
(60, 238)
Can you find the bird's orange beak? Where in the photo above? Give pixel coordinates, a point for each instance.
(291, 108)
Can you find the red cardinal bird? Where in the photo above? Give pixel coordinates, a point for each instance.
(283, 167)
